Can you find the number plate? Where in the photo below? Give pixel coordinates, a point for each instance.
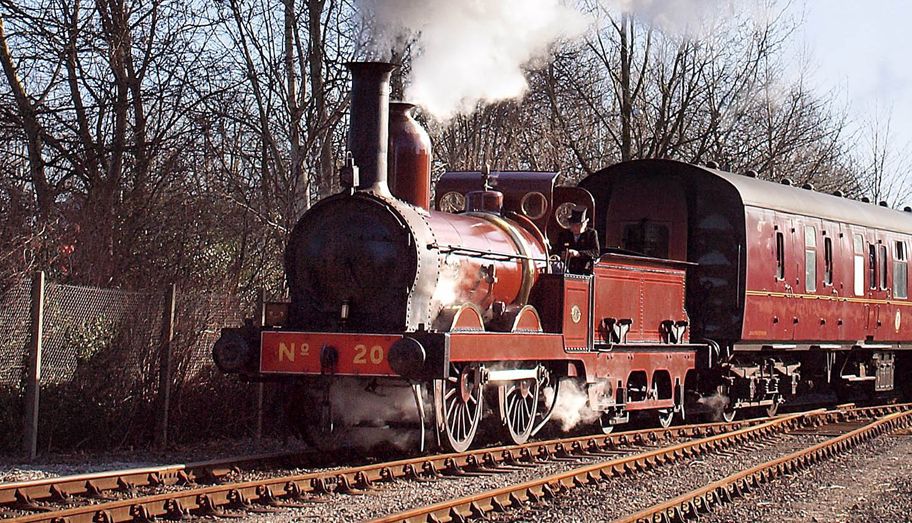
(299, 353)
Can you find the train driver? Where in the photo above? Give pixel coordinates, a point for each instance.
(578, 246)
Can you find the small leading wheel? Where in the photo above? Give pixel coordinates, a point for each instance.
(458, 401)
(518, 408)
(666, 417)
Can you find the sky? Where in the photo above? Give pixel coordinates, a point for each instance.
(862, 51)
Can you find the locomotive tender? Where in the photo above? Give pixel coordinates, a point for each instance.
(717, 285)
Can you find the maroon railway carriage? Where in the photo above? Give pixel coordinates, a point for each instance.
(799, 292)
(385, 293)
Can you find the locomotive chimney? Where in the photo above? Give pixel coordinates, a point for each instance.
(368, 134)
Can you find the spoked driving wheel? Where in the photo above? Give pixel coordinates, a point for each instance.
(518, 408)
(458, 401)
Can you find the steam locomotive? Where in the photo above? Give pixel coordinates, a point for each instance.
(715, 285)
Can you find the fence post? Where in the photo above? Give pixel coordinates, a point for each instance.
(164, 367)
(33, 381)
(261, 388)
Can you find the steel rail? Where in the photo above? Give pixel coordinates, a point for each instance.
(500, 500)
(478, 505)
(273, 491)
(242, 495)
(24, 494)
(701, 500)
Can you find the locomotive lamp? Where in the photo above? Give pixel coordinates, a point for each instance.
(232, 352)
(348, 175)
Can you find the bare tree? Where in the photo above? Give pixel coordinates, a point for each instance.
(884, 166)
(102, 112)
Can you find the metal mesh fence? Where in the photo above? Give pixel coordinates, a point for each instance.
(199, 320)
(100, 365)
(81, 323)
(15, 323)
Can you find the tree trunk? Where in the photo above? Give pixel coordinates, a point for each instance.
(322, 126)
(626, 37)
(28, 118)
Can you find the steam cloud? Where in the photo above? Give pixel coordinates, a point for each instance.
(469, 51)
(363, 415)
(716, 404)
(573, 406)
(688, 18)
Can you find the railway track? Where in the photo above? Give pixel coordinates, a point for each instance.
(852, 425)
(566, 464)
(86, 498)
(693, 504)
(26, 494)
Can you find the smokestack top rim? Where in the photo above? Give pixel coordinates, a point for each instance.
(379, 67)
(403, 106)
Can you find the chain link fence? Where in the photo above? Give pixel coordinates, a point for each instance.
(101, 351)
(14, 349)
(14, 334)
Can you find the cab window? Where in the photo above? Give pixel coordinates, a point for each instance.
(649, 238)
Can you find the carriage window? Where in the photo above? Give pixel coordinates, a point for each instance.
(780, 256)
(859, 265)
(883, 267)
(872, 266)
(810, 259)
(828, 261)
(647, 237)
(900, 271)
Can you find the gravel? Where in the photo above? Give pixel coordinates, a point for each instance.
(626, 495)
(64, 464)
(404, 495)
(872, 483)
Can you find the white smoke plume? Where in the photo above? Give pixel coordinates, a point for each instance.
(353, 404)
(362, 415)
(469, 51)
(717, 403)
(688, 18)
(573, 406)
(448, 290)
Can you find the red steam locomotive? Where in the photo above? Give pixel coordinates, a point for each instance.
(716, 286)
